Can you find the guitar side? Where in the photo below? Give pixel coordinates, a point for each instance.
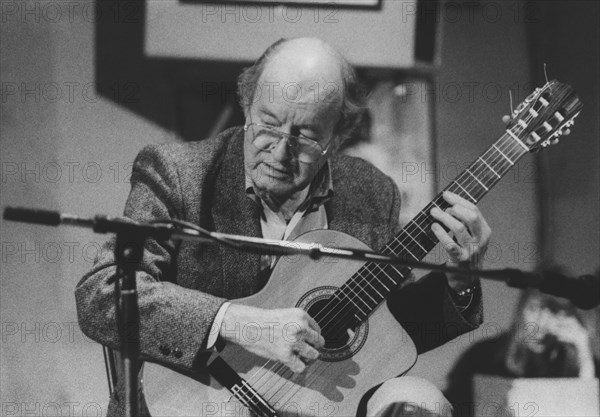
(378, 350)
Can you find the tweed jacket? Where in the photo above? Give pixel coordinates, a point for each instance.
(182, 285)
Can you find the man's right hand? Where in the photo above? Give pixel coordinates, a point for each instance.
(289, 335)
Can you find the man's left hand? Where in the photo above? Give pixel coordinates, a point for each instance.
(471, 236)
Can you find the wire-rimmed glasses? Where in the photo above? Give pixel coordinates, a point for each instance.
(266, 138)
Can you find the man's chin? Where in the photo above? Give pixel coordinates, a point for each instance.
(277, 191)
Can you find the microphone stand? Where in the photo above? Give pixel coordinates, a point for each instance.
(129, 252)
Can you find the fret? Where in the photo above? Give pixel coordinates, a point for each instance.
(505, 157)
(477, 179)
(405, 248)
(466, 192)
(342, 296)
(418, 227)
(363, 290)
(487, 176)
(349, 298)
(368, 281)
(489, 167)
(396, 271)
(433, 203)
(377, 271)
(380, 267)
(416, 241)
(519, 142)
(376, 276)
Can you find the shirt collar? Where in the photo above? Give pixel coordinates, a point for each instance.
(321, 190)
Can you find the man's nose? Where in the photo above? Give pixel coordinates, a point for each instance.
(282, 151)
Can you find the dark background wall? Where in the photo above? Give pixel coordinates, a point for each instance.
(80, 97)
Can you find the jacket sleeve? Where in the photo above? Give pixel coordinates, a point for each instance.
(174, 321)
(425, 308)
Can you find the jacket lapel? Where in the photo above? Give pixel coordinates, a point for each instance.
(347, 213)
(233, 212)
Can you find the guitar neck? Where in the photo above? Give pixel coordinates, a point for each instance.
(373, 282)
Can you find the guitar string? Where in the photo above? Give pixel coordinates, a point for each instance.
(480, 191)
(484, 155)
(467, 173)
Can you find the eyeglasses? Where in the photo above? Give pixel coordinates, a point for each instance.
(266, 138)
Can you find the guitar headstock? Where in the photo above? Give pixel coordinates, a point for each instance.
(545, 115)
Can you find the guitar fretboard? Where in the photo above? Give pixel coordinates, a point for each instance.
(369, 287)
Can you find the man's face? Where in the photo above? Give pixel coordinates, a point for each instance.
(297, 109)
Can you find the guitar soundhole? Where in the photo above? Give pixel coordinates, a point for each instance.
(343, 335)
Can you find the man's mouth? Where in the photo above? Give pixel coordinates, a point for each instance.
(278, 172)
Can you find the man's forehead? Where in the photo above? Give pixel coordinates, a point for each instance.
(295, 86)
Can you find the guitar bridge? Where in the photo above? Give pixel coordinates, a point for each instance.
(240, 389)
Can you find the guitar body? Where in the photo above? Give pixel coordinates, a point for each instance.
(377, 350)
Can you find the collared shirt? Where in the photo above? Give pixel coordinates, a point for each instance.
(310, 215)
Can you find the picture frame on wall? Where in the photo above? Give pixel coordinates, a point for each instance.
(375, 4)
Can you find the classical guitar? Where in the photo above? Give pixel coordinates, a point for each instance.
(346, 299)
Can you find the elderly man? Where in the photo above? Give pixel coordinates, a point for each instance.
(278, 177)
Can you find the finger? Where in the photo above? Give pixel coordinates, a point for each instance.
(314, 338)
(457, 227)
(296, 365)
(468, 217)
(453, 248)
(543, 321)
(313, 323)
(308, 353)
(454, 198)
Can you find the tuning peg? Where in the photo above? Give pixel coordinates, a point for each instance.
(505, 118)
(566, 132)
(554, 141)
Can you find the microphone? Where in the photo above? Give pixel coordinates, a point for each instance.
(19, 214)
(583, 291)
(99, 224)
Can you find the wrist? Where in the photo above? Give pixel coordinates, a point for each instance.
(229, 324)
(459, 282)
